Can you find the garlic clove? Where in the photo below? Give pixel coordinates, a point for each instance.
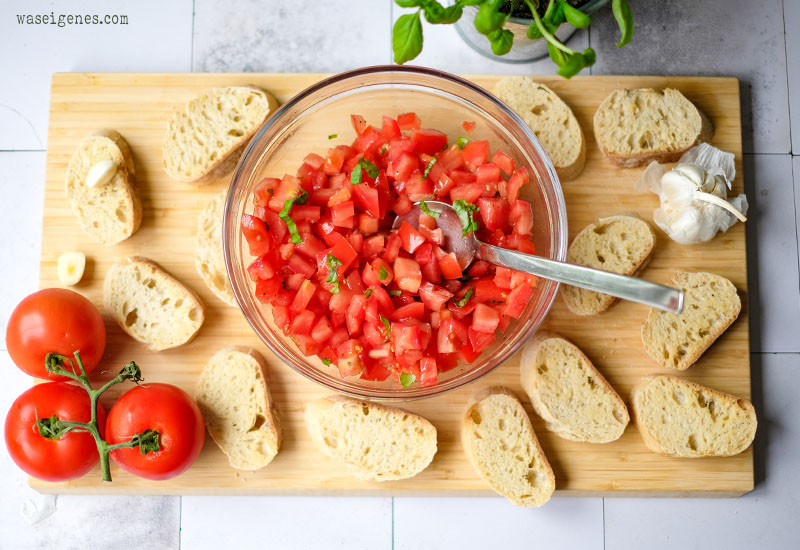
(70, 268)
(693, 173)
(101, 173)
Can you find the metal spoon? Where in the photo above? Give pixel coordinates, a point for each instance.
(467, 247)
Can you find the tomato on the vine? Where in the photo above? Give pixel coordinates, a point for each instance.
(173, 414)
(68, 457)
(54, 320)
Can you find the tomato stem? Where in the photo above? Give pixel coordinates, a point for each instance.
(54, 428)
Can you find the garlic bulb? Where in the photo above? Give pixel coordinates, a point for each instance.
(694, 195)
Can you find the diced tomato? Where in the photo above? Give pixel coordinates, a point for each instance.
(401, 168)
(418, 187)
(518, 300)
(267, 289)
(424, 254)
(366, 198)
(359, 124)
(393, 245)
(302, 322)
(515, 182)
(322, 330)
(303, 296)
(450, 158)
(350, 362)
(414, 310)
(288, 189)
(300, 266)
(452, 335)
(486, 290)
(305, 212)
(383, 271)
(468, 126)
(429, 141)
(355, 314)
(407, 274)
(255, 232)
(521, 217)
(478, 269)
(488, 174)
(485, 319)
(505, 162)
(334, 161)
(469, 192)
(264, 190)
(494, 213)
(480, 340)
(448, 264)
(390, 129)
(475, 153)
(314, 160)
(502, 278)
(261, 268)
(311, 246)
(431, 272)
(409, 121)
(410, 238)
(434, 297)
(343, 251)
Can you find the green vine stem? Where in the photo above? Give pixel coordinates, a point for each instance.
(54, 428)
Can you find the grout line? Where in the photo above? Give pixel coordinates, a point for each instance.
(392, 523)
(23, 150)
(191, 52)
(391, 19)
(604, 524)
(180, 519)
(788, 82)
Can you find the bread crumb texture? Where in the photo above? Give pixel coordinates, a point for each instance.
(499, 439)
(683, 419)
(209, 256)
(711, 305)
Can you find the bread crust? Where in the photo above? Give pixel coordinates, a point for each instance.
(528, 374)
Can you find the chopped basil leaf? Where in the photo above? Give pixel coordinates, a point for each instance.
(333, 136)
(382, 274)
(333, 262)
(385, 322)
(428, 211)
(428, 168)
(326, 361)
(407, 379)
(395, 293)
(301, 199)
(466, 211)
(368, 292)
(357, 175)
(467, 295)
(462, 142)
(383, 150)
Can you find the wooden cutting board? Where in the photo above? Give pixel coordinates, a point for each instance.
(138, 105)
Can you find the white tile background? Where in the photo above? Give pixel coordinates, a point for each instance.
(714, 37)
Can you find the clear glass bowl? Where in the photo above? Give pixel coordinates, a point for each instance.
(442, 101)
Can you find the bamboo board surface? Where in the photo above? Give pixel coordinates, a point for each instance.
(138, 105)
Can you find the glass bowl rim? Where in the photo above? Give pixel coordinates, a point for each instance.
(560, 245)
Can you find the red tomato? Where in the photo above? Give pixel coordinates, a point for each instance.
(173, 414)
(54, 320)
(429, 141)
(407, 274)
(505, 162)
(468, 126)
(69, 457)
(476, 153)
(409, 121)
(359, 124)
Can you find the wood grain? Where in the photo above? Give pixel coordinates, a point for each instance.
(138, 105)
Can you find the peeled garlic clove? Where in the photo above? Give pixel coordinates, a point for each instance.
(70, 267)
(101, 173)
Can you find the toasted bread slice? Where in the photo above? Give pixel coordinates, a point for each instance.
(680, 418)
(569, 393)
(110, 212)
(375, 443)
(550, 119)
(635, 127)
(233, 395)
(711, 304)
(205, 140)
(151, 305)
(621, 244)
(208, 256)
(499, 440)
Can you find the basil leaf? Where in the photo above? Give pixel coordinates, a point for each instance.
(326, 361)
(624, 16)
(333, 277)
(407, 379)
(357, 175)
(333, 136)
(301, 199)
(466, 211)
(489, 18)
(428, 168)
(451, 15)
(395, 293)
(388, 326)
(407, 38)
(382, 274)
(574, 16)
(408, 3)
(368, 292)
(462, 142)
(467, 295)
(428, 211)
(501, 40)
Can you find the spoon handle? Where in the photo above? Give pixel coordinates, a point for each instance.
(621, 286)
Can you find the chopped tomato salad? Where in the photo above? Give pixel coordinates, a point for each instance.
(379, 302)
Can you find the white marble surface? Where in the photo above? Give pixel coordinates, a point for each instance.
(732, 37)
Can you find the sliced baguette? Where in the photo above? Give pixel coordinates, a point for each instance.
(499, 440)
(205, 140)
(233, 395)
(109, 212)
(634, 127)
(375, 443)
(551, 120)
(151, 305)
(208, 256)
(711, 304)
(569, 393)
(621, 244)
(680, 418)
